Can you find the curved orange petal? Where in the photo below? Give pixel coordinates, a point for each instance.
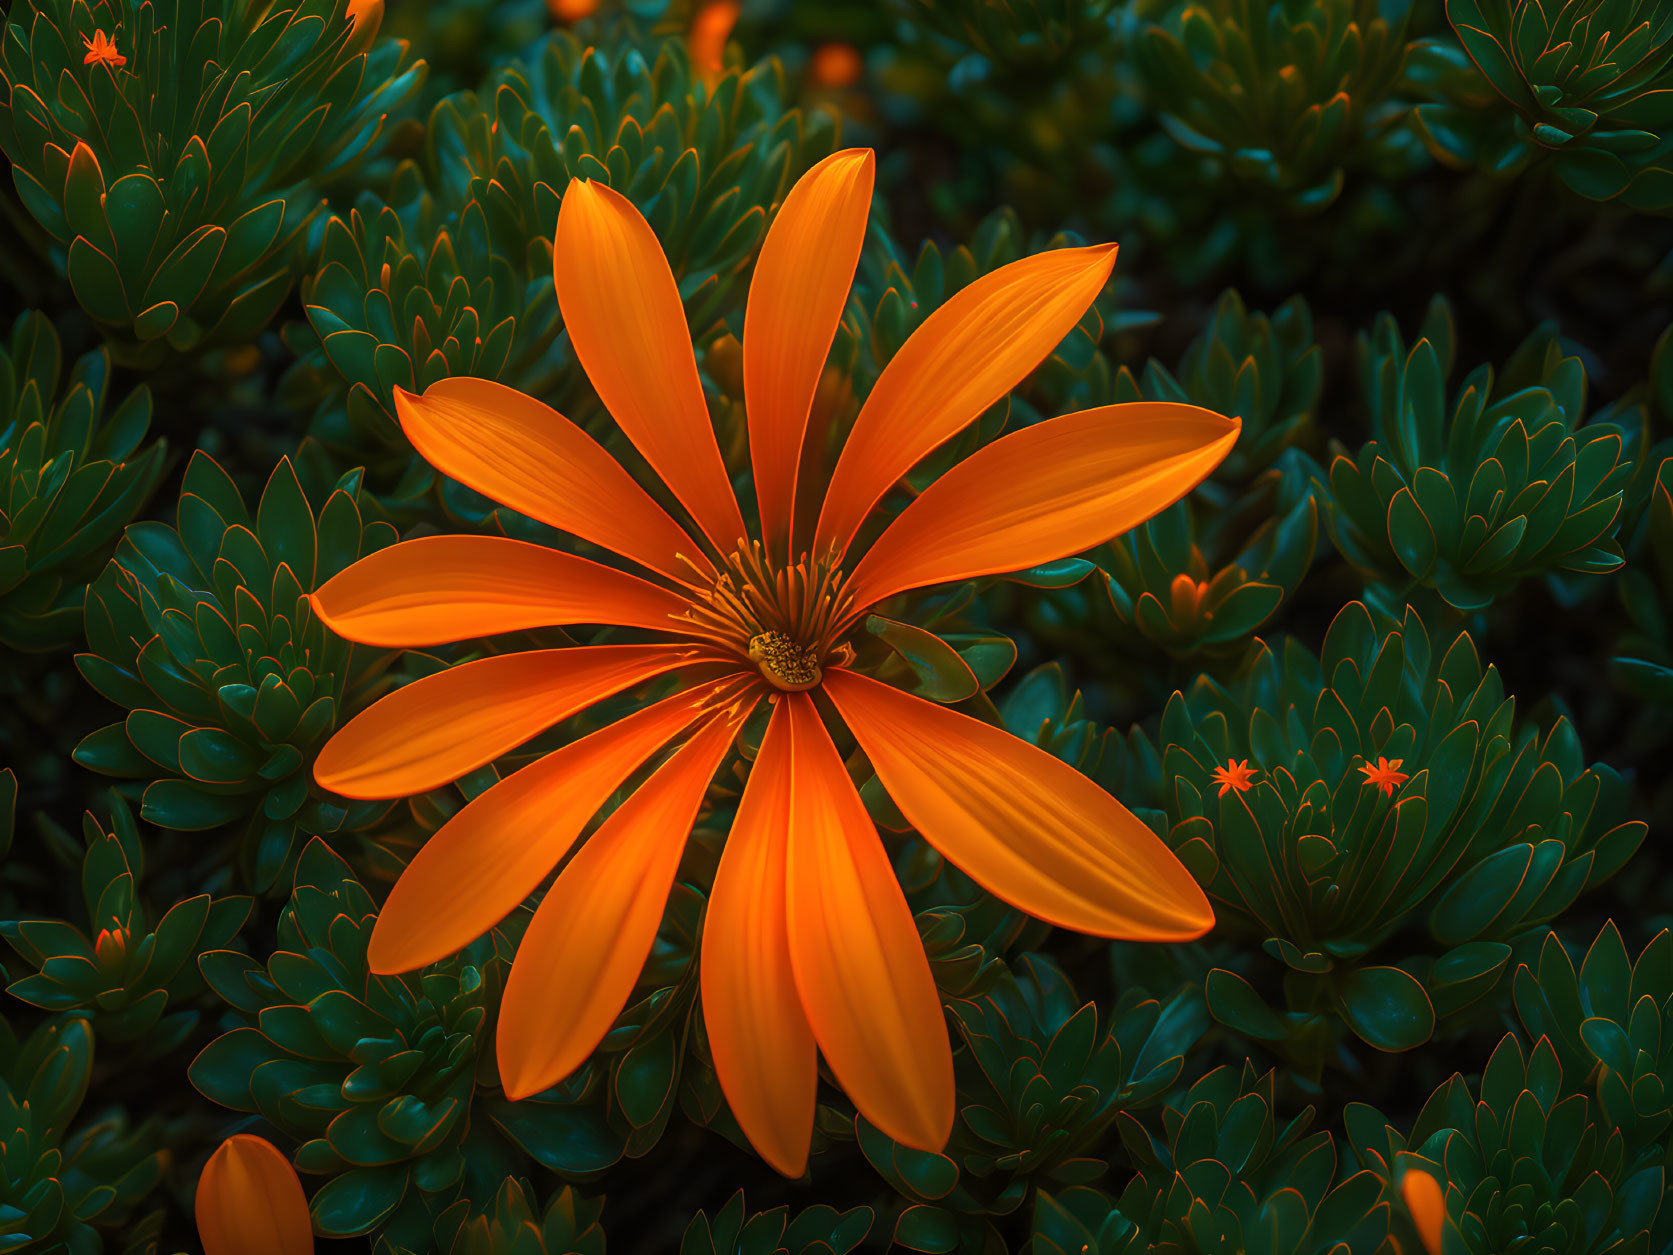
(758, 1034)
(581, 955)
(965, 356)
(1427, 1202)
(860, 968)
(1025, 826)
(530, 457)
(438, 728)
(450, 588)
(622, 310)
(1045, 492)
(250, 1201)
(495, 852)
(801, 284)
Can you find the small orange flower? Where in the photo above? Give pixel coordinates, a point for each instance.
(1386, 775)
(710, 30)
(250, 1201)
(836, 65)
(1234, 775)
(1427, 1203)
(572, 10)
(101, 50)
(808, 946)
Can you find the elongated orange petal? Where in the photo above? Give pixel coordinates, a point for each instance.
(760, 1038)
(968, 354)
(530, 457)
(1427, 1202)
(859, 964)
(451, 588)
(581, 955)
(438, 728)
(250, 1201)
(1045, 492)
(495, 852)
(1024, 825)
(622, 310)
(795, 302)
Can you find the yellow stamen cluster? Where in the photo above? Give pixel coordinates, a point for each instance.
(785, 663)
(782, 618)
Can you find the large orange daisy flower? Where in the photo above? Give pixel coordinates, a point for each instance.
(809, 945)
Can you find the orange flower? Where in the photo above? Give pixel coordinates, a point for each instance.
(809, 941)
(1386, 775)
(1427, 1203)
(101, 50)
(710, 30)
(1234, 775)
(836, 65)
(250, 1202)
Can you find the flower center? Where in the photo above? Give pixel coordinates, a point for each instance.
(780, 618)
(785, 663)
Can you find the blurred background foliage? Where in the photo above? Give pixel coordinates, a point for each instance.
(1396, 684)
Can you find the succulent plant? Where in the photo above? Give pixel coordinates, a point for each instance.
(180, 220)
(124, 969)
(1264, 369)
(1339, 809)
(1589, 85)
(1018, 35)
(1471, 498)
(1225, 1176)
(59, 1190)
(1045, 1082)
(1609, 1025)
(816, 1230)
(1282, 97)
(511, 1224)
(1189, 587)
(1528, 1164)
(204, 633)
(374, 1075)
(71, 477)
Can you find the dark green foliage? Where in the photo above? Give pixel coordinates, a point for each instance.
(271, 215)
(179, 218)
(204, 633)
(1045, 1082)
(64, 1191)
(1190, 594)
(122, 969)
(818, 1230)
(72, 476)
(1495, 830)
(512, 1225)
(1503, 483)
(1589, 86)
(1532, 1166)
(373, 1075)
(1266, 370)
(1281, 96)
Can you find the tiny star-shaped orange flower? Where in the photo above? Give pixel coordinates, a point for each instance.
(101, 50)
(1386, 775)
(1234, 775)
